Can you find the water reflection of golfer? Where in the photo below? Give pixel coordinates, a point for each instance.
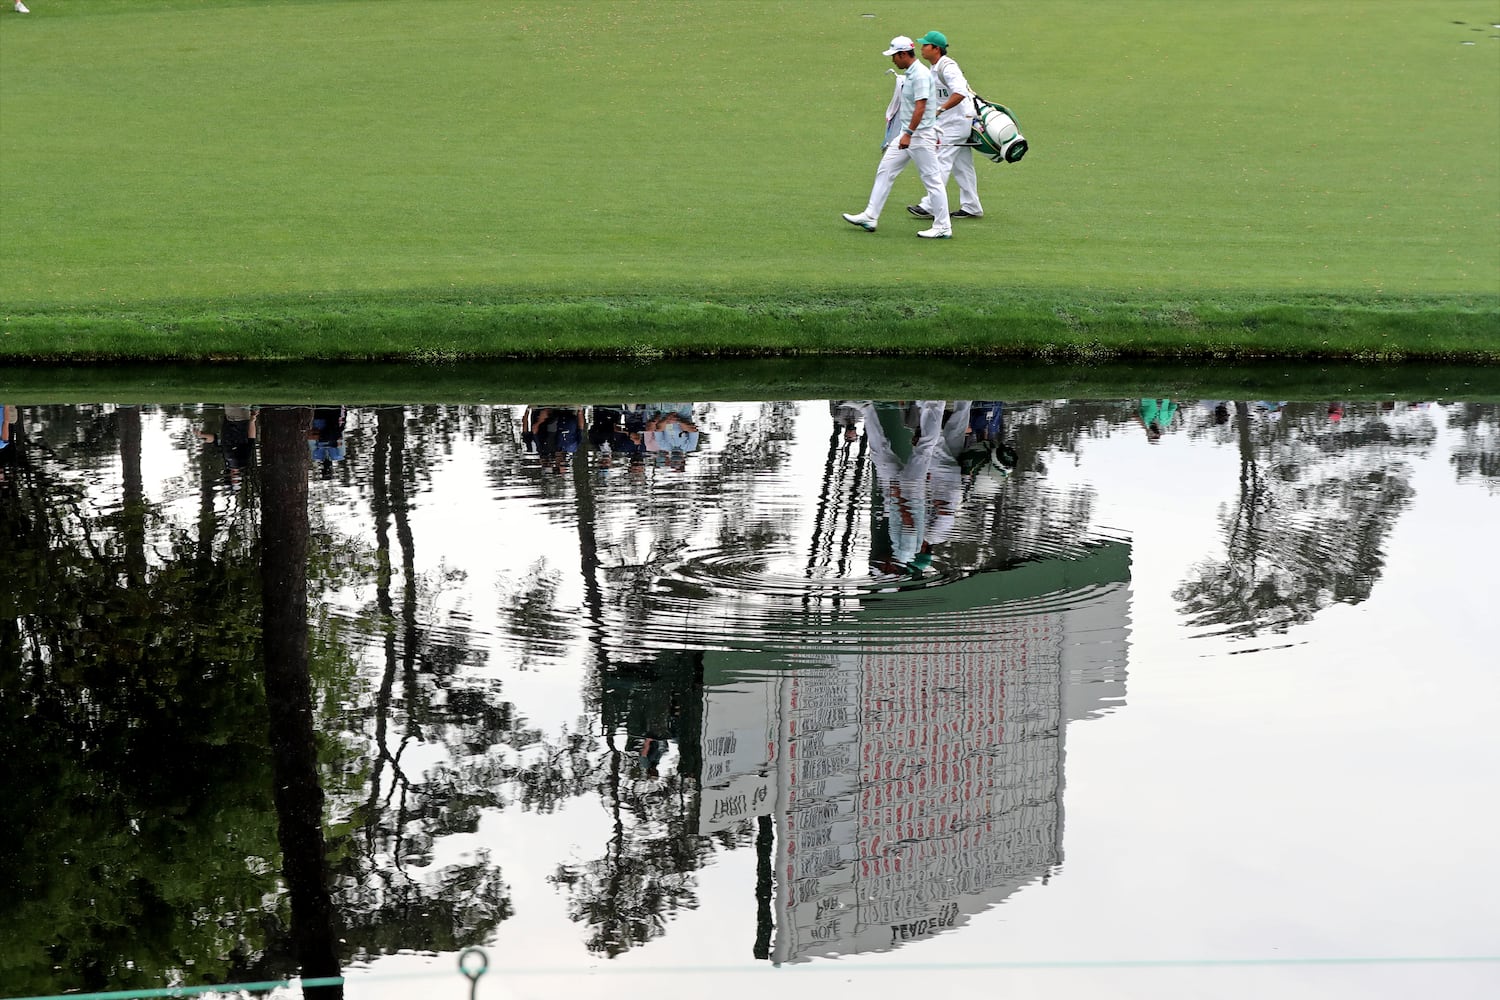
(945, 478)
(904, 441)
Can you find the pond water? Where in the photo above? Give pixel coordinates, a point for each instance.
(1065, 698)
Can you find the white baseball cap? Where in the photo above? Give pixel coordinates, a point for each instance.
(900, 44)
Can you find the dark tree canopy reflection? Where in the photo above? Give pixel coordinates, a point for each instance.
(1316, 502)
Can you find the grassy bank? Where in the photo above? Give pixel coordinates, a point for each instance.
(230, 178)
(441, 326)
(511, 382)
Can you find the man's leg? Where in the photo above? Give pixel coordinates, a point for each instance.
(968, 181)
(946, 153)
(891, 164)
(924, 153)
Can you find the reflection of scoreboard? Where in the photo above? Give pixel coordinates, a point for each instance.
(953, 787)
(921, 779)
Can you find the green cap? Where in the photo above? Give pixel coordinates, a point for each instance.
(934, 38)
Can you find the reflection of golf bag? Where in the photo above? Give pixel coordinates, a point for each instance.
(996, 133)
(987, 452)
(988, 456)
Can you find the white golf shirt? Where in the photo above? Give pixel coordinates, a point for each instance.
(919, 84)
(949, 80)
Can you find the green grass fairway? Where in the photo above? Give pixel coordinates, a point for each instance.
(231, 178)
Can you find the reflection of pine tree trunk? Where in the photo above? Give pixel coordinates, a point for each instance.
(827, 508)
(396, 439)
(298, 795)
(588, 550)
(610, 929)
(1244, 532)
(128, 425)
(207, 516)
(381, 508)
(764, 925)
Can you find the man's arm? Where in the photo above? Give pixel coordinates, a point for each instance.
(916, 119)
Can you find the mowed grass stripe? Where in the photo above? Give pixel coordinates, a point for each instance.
(174, 159)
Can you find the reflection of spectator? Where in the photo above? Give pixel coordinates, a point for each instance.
(325, 439)
(235, 439)
(8, 430)
(652, 749)
(986, 419)
(1156, 415)
(1271, 411)
(1335, 412)
(846, 416)
(556, 432)
(617, 430)
(1219, 408)
(672, 433)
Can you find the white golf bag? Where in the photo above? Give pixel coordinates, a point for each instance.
(996, 133)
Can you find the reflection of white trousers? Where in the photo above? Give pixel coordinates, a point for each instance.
(903, 485)
(958, 162)
(923, 151)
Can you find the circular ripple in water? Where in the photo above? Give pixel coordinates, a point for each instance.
(778, 599)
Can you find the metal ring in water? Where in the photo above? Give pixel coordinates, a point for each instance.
(464, 965)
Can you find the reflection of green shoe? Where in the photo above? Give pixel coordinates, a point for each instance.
(936, 234)
(861, 220)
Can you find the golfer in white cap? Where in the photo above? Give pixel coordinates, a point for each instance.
(915, 110)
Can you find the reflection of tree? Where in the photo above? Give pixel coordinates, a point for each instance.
(533, 618)
(765, 838)
(388, 898)
(648, 869)
(1475, 457)
(289, 704)
(134, 718)
(1030, 516)
(131, 685)
(1309, 524)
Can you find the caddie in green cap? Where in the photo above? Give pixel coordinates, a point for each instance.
(955, 110)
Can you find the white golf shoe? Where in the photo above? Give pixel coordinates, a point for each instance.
(21, 8)
(936, 234)
(861, 220)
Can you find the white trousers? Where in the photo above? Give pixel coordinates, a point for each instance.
(923, 151)
(958, 162)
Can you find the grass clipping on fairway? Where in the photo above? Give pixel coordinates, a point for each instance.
(329, 179)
